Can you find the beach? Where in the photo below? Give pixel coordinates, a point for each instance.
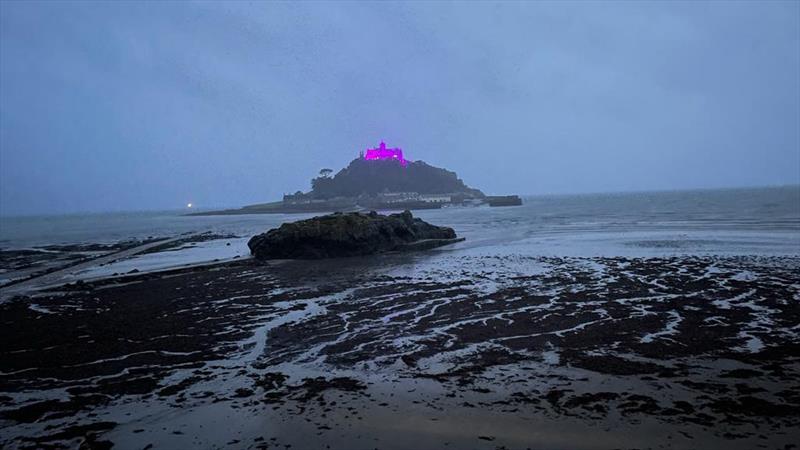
(655, 320)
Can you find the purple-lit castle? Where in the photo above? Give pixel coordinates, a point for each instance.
(385, 153)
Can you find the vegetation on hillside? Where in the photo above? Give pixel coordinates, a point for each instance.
(362, 177)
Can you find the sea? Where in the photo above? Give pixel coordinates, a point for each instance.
(725, 222)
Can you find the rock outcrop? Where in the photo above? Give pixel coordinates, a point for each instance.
(363, 176)
(349, 234)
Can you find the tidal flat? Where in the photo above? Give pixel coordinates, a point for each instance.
(446, 350)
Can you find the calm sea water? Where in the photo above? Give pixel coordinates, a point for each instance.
(762, 221)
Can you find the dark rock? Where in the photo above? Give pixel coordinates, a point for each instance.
(504, 200)
(271, 380)
(34, 411)
(243, 392)
(349, 234)
(313, 387)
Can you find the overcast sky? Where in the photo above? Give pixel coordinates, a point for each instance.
(130, 106)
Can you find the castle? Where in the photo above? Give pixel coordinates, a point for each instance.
(385, 153)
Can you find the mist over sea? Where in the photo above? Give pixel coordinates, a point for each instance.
(753, 221)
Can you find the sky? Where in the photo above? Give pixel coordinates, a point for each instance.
(108, 106)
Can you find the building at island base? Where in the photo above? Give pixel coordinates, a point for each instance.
(384, 153)
(404, 197)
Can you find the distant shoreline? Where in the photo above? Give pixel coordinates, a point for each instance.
(329, 207)
(185, 211)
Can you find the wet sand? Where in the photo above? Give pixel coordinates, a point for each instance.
(399, 351)
(31, 269)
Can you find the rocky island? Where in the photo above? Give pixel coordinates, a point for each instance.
(379, 178)
(349, 234)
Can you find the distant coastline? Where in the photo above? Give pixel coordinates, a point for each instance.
(350, 205)
(203, 210)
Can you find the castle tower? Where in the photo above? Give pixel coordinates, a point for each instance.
(384, 153)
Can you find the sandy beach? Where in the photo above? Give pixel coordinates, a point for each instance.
(443, 351)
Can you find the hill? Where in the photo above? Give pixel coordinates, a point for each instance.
(370, 177)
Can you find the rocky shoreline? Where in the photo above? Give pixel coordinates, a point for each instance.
(482, 352)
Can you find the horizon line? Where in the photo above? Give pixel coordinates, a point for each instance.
(540, 194)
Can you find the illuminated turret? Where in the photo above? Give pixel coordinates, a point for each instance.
(385, 153)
